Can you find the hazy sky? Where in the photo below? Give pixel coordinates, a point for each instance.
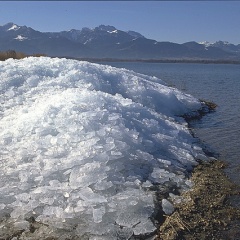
(175, 21)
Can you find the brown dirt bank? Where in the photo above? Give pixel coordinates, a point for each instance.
(207, 213)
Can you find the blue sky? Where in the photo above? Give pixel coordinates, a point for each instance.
(175, 21)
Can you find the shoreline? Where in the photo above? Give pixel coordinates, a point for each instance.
(207, 213)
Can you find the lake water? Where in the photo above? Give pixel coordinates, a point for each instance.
(219, 83)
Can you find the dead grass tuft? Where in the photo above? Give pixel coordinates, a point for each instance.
(207, 214)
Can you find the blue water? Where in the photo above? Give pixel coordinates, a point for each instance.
(219, 83)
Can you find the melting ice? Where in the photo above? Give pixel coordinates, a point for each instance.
(84, 146)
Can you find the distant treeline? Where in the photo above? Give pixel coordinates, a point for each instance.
(16, 55)
(19, 55)
(204, 61)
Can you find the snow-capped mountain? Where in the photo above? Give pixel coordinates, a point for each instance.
(228, 47)
(224, 45)
(11, 29)
(205, 43)
(101, 35)
(107, 42)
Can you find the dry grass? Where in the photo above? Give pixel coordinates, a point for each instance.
(207, 214)
(16, 55)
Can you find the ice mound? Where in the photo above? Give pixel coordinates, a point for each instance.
(84, 146)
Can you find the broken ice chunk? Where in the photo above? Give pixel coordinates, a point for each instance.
(81, 206)
(46, 200)
(22, 225)
(127, 219)
(53, 211)
(101, 238)
(147, 184)
(66, 195)
(133, 215)
(103, 185)
(102, 228)
(2, 206)
(160, 175)
(175, 198)
(88, 195)
(115, 153)
(165, 162)
(20, 211)
(86, 175)
(98, 214)
(122, 233)
(201, 157)
(23, 176)
(167, 207)
(189, 183)
(144, 228)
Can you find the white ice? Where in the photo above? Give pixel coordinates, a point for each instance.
(84, 144)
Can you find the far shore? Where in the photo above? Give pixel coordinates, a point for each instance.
(203, 61)
(20, 55)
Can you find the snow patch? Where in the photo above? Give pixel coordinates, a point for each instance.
(14, 28)
(207, 44)
(20, 38)
(89, 40)
(114, 31)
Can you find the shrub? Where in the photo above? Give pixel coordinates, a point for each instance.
(17, 55)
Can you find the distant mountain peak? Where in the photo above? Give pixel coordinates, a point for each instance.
(106, 41)
(135, 34)
(73, 30)
(10, 26)
(223, 42)
(206, 43)
(87, 29)
(14, 27)
(106, 28)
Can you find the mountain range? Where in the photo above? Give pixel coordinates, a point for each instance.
(108, 42)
